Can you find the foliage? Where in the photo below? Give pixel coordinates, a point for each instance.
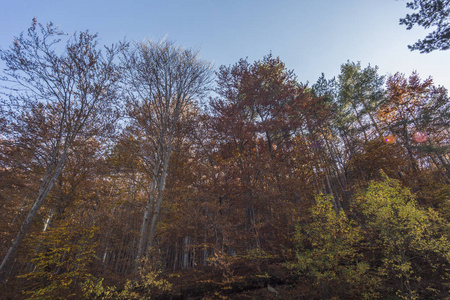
(327, 250)
(415, 105)
(413, 241)
(164, 83)
(149, 281)
(62, 258)
(93, 288)
(431, 13)
(57, 95)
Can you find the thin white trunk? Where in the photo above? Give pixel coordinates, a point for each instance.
(47, 222)
(146, 221)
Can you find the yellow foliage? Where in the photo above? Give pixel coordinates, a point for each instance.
(405, 235)
(327, 250)
(62, 256)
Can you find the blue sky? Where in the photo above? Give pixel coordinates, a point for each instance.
(311, 36)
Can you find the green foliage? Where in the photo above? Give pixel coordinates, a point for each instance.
(359, 93)
(327, 251)
(431, 13)
(62, 257)
(415, 251)
(410, 250)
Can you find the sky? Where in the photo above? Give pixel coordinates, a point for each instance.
(310, 36)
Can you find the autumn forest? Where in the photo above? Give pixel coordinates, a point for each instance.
(141, 171)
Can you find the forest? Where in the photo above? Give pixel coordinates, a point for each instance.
(140, 171)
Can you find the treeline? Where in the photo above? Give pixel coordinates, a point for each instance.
(134, 171)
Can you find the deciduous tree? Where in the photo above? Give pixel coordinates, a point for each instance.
(412, 240)
(58, 94)
(163, 81)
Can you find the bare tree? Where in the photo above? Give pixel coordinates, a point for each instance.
(55, 99)
(162, 81)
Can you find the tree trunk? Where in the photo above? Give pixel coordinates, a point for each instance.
(145, 224)
(186, 253)
(46, 186)
(155, 217)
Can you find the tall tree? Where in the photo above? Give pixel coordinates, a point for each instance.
(415, 107)
(431, 13)
(55, 99)
(263, 121)
(360, 92)
(354, 99)
(163, 81)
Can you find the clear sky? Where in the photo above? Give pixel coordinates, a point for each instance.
(310, 36)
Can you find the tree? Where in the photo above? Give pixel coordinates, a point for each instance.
(266, 93)
(413, 241)
(62, 257)
(415, 107)
(163, 81)
(360, 93)
(255, 119)
(327, 250)
(354, 98)
(431, 13)
(54, 100)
